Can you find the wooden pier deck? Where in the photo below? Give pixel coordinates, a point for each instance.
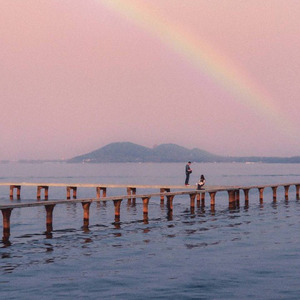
(164, 192)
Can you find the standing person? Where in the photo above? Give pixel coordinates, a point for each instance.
(201, 182)
(188, 171)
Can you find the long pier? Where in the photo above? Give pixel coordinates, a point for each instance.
(164, 192)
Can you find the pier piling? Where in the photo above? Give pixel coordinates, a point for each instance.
(274, 188)
(145, 209)
(49, 217)
(98, 192)
(162, 197)
(192, 203)
(145, 205)
(297, 191)
(170, 202)
(117, 204)
(261, 194)
(246, 194)
(46, 191)
(233, 195)
(6, 224)
(286, 192)
(198, 199)
(203, 199)
(237, 198)
(74, 189)
(131, 191)
(212, 201)
(12, 187)
(86, 214)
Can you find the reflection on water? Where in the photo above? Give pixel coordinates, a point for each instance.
(250, 251)
(177, 244)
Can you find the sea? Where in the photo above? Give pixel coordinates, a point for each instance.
(249, 252)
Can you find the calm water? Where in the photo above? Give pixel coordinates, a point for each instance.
(247, 253)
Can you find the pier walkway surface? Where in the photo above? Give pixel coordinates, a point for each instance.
(131, 196)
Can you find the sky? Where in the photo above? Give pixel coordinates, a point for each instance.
(218, 75)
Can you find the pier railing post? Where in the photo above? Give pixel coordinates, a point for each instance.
(6, 224)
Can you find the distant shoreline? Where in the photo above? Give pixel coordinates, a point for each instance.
(127, 152)
(143, 162)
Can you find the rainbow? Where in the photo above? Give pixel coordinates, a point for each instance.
(205, 57)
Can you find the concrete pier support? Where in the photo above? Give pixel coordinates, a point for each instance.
(192, 203)
(145, 209)
(231, 196)
(274, 189)
(286, 192)
(98, 192)
(237, 198)
(86, 214)
(131, 191)
(11, 193)
(212, 200)
(198, 200)
(163, 190)
(117, 204)
(261, 194)
(170, 202)
(246, 194)
(74, 189)
(38, 191)
(297, 191)
(6, 224)
(203, 199)
(49, 217)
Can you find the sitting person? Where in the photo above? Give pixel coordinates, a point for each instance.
(201, 182)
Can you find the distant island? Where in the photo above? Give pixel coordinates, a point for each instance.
(130, 152)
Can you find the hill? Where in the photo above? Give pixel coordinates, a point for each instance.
(130, 152)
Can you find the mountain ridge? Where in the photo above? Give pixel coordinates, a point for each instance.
(130, 152)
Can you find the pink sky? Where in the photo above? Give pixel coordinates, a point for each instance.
(78, 74)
